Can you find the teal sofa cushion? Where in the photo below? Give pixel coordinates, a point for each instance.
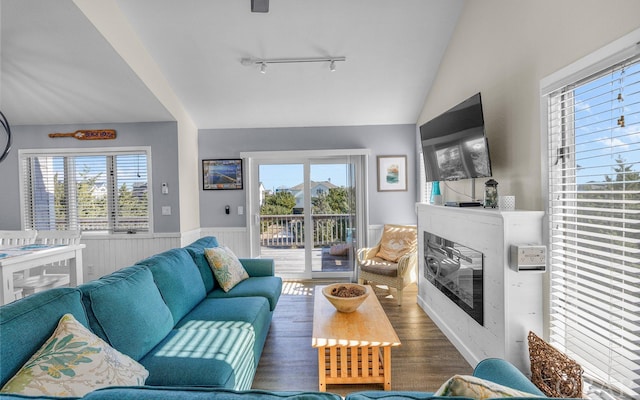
(398, 395)
(269, 287)
(227, 313)
(259, 266)
(196, 250)
(179, 280)
(23, 397)
(27, 323)
(198, 393)
(218, 357)
(504, 373)
(126, 309)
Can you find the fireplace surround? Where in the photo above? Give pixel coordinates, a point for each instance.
(513, 301)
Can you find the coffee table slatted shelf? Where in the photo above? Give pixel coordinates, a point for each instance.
(353, 348)
(359, 366)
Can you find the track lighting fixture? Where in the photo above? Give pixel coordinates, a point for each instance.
(262, 63)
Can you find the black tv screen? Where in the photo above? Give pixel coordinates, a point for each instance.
(454, 145)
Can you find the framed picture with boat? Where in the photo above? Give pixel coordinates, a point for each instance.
(222, 174)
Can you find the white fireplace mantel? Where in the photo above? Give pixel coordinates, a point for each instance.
(513, 301)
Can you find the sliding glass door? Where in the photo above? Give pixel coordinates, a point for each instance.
(332, 216)
(305, 212)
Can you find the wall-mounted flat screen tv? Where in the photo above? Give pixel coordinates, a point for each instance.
(454, 145)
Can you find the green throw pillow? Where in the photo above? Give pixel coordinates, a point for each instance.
(72, 363)
(476, 388)
(226, 267)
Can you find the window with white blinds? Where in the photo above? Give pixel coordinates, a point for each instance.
(88, 190)
(425, 187)
(594, 225)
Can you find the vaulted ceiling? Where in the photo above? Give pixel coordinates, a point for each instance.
(56, 67)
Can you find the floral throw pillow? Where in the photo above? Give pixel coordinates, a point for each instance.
(397, 240)
(225, 267)
(72, 363)
(476, 388)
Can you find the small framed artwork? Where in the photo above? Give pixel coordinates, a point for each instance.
(224, 174)
(392, 173)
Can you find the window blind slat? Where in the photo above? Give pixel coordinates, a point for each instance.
(583, 289)
(573, 226)
(571, 244)
(620, 272)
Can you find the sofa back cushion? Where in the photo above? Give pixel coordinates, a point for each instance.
(203, 393)
(178, 279)
(126, 309)
(196, 250)
(27, 323)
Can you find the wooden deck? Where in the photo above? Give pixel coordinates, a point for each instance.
(292, 260)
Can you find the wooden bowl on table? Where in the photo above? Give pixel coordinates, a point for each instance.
(346, 297)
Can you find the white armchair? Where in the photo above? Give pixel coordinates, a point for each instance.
(393, 261)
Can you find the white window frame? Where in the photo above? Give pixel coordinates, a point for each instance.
(105, 151)
(600, 60)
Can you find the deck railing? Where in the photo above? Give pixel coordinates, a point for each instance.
(288, 230)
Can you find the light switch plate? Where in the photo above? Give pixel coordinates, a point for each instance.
(166, 210)
(528, 257)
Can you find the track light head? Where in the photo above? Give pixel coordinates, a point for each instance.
(263, 68)
(332, 66)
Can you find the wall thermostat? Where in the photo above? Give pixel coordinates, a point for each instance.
(528, 257)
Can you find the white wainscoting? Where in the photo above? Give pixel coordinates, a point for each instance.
(374, 233)
(105, 254)
(234, 238)
(189, 237)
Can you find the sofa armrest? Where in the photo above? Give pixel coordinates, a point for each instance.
(259, 266)
(504, 373)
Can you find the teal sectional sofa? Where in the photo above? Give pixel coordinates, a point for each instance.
(166, 312)
(196, 340)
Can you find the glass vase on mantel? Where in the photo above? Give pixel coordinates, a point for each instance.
(490, 194)
(436, 197)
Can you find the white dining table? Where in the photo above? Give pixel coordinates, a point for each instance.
(22, 258)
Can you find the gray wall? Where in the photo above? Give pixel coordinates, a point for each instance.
(161, 136)
(384, 207)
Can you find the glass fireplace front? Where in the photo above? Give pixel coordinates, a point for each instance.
(456, 271)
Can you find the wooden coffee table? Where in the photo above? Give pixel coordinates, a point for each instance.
(353, 348)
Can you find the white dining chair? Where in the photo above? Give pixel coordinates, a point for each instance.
(17, 238)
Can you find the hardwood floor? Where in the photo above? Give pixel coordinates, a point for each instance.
(424, 361)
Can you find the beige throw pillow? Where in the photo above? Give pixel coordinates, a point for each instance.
(225, 267)
(72, 363)
(478, 389)
(396, 241)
